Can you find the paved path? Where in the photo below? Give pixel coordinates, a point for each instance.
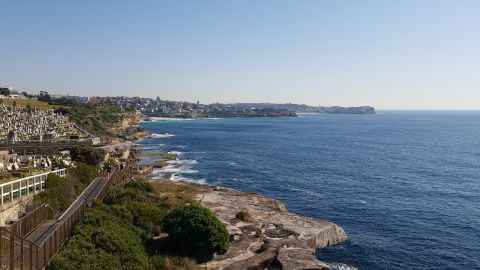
(43, 232)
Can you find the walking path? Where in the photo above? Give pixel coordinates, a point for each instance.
(43, 232)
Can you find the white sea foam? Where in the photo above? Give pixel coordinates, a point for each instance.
(176, 177)
(159, 119)
(175, 167)
(341, 266)
(152, 147)
(161, 135)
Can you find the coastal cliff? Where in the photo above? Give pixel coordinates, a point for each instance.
(264, 233)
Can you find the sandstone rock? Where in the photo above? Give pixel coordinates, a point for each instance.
(299, 259)
(292, 238)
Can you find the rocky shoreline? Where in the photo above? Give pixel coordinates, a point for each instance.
(264, 233)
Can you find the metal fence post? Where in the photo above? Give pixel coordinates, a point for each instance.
(11, 192)
(12, 251)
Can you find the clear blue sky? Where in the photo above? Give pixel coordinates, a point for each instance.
(390, 54)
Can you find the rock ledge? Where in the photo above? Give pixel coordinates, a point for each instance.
(288, 240)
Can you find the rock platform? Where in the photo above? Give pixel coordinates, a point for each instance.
(266, 235)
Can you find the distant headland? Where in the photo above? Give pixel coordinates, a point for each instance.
(157, 107)
(181, 109)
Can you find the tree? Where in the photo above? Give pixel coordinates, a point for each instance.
(4, 91)
(44, 96)
(84, 173)
(109, 164)
(88, 155)
(196, 232)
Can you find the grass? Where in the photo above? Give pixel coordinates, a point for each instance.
(33, 102)
(180, 190)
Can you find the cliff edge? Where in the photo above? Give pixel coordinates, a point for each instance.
(265, 234)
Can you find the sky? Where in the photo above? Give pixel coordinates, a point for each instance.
(405, 54)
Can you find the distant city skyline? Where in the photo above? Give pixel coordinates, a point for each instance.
(390, 55)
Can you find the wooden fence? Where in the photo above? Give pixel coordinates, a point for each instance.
(16, 252)
(31, 220)
(140, 171)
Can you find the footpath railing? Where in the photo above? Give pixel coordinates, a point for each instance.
(140, 171)
(31, 220)
(16, 252)
(15, 189)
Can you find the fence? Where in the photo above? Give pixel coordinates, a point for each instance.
(18, 253)
(32, 220)
(15, 189)
(140, 171)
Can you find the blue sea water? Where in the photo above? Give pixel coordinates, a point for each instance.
(405, 186)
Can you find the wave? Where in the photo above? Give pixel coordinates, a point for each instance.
(161, 119)
(152, 147)
(161, 135)
(341, 266)
(176, 177)
(175, 168)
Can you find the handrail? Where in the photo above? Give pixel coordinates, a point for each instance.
(32, 176)
(16, 252)
(34, 182)
(31, 220)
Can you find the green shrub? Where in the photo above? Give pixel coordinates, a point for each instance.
(243, 215)
(84, 173)
(103, 240)
(196, 232)
(88, 155)
(263, 247)
(59, 192)
(121, 195)
(147, 216)
(140, 185)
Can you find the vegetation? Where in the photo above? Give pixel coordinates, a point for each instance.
(124, 232)
(243, 215)
(196, 232)
(88, 155)
(104, 239)
(60, 192)
(263, 247)
(95, 117)
(172, 263)
(25, 102)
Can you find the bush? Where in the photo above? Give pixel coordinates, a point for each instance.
(263, 247)
(59, 192)
(140, 185)
(147, 216)
(196, 232)
(104, 239)
(88, 155)
(243, 215)
(84, 173)
(126, 193)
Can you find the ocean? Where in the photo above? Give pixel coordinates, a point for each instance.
(405, 186)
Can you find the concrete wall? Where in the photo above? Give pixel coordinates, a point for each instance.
(9, 211)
